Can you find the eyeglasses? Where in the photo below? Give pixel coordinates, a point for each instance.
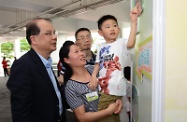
(50, 33)
(84, 38)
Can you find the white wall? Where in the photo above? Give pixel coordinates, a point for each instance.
(55, 54)
(176, 62)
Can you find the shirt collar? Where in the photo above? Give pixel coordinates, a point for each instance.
(92, 60)
(47, 62)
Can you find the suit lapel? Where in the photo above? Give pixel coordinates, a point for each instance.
(42, 70)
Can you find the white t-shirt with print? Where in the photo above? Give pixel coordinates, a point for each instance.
(112, 58)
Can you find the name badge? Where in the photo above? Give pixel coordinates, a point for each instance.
(92, 96)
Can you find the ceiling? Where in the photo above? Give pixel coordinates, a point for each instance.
(67, 15)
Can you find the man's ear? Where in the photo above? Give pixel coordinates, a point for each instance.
(33, 39)
(100, 32)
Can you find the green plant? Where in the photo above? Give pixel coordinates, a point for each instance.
(24, 45)
(7, 48)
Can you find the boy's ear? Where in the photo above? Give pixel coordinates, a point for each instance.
(100, 32)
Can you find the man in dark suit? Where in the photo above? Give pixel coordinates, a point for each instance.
(35, 93)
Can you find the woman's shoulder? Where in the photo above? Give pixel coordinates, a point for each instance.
(73, 86)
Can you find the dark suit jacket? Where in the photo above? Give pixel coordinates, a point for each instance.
(33, 98)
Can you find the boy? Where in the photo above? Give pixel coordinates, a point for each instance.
(111, 59)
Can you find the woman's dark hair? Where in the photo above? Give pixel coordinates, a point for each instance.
(64, 53)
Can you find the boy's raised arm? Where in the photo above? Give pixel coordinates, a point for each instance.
(134, 17)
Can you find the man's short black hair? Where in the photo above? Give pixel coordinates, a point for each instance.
(81, 29)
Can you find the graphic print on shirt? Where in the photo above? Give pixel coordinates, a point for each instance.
(110, 63)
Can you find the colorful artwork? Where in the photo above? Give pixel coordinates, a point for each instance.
(144, 59)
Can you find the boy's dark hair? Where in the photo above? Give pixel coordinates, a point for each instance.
(127, 73)
(81, 29)
(104, 18)
(33, 29)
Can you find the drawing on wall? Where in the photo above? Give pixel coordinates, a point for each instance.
(143, 62)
